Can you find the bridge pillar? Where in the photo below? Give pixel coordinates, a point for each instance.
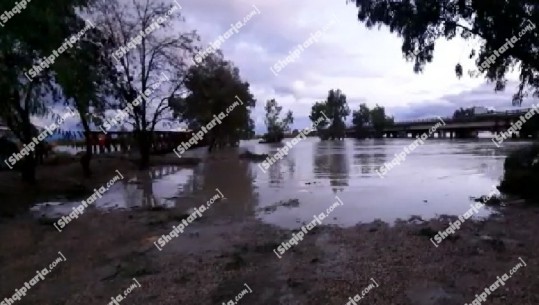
(466, 134)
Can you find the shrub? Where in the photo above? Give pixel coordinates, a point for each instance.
(521, 173)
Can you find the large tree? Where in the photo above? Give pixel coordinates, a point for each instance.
(380, 120)
(249, 132)
(149, 45)
(361, 119)
(83, 77)
(505, 29)
(275, 124)
(335, 108)
(215, 87)
(366, 120)
(21, 48)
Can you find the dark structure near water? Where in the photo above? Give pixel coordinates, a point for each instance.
(123, 141)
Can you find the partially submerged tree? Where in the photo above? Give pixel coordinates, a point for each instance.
(335, 108)
(152, 55)
(215, 89)
(276, 126)
(380, 120)
(318, 115)
(249, 132)
(366, 120)
(361, 119)
(506, 31)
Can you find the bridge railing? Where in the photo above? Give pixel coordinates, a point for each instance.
(467, 118)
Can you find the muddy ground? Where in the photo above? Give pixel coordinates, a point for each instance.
(212, 260)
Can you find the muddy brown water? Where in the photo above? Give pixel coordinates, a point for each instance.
(437, 178)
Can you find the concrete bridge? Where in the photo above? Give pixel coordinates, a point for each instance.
(449, 127)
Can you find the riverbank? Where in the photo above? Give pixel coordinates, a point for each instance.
(215, 257)
(232, 243)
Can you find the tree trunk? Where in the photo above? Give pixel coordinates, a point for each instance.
(144, 157)
(87, 157)
(144, 141)
(211, 142)
(28, 169)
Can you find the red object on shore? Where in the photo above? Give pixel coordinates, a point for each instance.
(101, 140)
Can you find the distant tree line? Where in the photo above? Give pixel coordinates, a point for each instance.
(335, 109)
(375, 118)
(366, 122)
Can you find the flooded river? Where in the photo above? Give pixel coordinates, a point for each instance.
(435, 179)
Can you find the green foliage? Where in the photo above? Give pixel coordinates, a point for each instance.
(317, 113)
(379, 120)
(521, 173)
(215, 86)
(335, 108)
(249, 132)
(361, 119)
(375, 118)
(21, 47)
(276, 126)
(25, 40)
(288, 120)
(421, 23)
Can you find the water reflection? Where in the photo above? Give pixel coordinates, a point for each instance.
(162, 186)
(156, 187)
(436, 178)
(365, 160)
(331, 162)
(233, 177)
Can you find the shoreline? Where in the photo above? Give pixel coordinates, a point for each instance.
(61, 177)
(215, 256)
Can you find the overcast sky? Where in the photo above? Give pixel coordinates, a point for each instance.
(367, 65)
